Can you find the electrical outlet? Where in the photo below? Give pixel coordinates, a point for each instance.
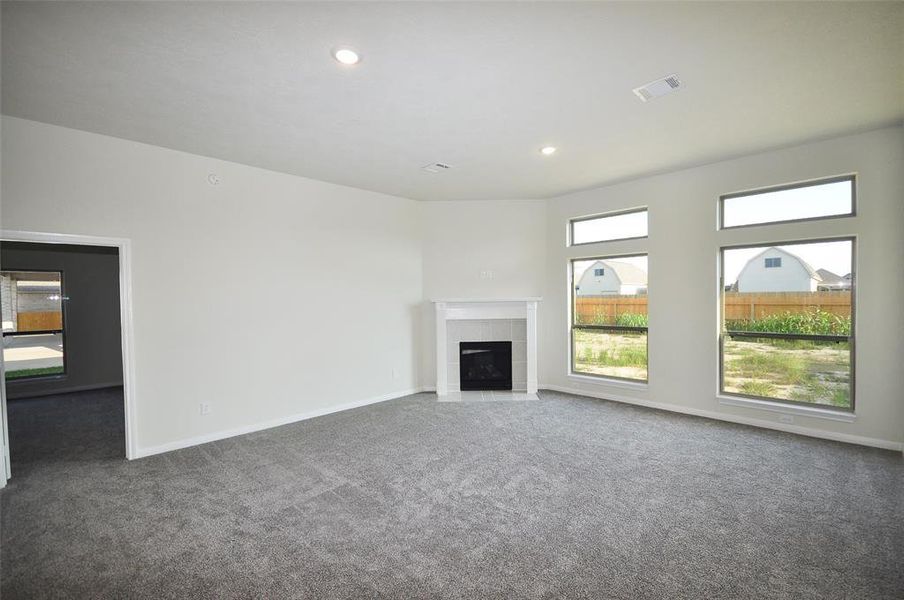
(487, 274)
(205, 408)
(787, 419)
(395, 373)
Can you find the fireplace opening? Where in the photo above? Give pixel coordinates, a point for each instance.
(485, 365)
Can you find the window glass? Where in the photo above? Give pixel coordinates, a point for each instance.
(788, 332)
(609, 317)
(32, 323)
(618, 226)
(827, 198)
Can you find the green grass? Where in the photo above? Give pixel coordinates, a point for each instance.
(815, 372)
(629, 356)
(758, 388)
(816, 322)
(623, 320)
(20, 373)
(811, 372)
(779, 368)
(631, 320)
(613, 354)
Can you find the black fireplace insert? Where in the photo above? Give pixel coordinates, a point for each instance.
(485, 365)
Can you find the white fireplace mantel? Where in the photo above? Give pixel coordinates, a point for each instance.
(451, 309)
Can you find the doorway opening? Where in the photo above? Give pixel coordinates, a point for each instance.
(66, 327)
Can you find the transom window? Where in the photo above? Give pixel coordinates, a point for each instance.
(833, 197)
(622, 225)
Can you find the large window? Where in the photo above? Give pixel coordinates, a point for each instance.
(33, 325)
(787, 322)
(609, 317)
(622, 225)
(832, 197)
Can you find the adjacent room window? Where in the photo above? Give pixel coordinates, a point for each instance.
(609, 317)
(788, 334)
(798, 202)
(622, 225)
(33, 327)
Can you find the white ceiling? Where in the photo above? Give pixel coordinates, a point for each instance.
(479, 86)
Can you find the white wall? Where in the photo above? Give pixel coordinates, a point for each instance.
(683, 301)
(233, 245)
(462, 240)
(207, 262)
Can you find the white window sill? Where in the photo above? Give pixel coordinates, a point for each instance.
(608, 381)
(789, 409)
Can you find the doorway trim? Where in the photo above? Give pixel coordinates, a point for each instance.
(124, 245)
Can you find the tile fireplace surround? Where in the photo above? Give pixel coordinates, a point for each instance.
(485, 320)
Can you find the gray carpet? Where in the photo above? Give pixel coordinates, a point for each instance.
(562, 497)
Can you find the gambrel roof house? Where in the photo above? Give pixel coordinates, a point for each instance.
(605, 277)
(777, 270)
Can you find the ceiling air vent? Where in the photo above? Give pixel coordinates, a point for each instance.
(658, 88)
(436, 167)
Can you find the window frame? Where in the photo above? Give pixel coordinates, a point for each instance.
(571, 316)
(605, 215)
(852, 177)
(851, 339)
(62, 332)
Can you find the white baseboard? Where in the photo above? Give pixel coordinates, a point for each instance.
(220, 435)
(808, 431)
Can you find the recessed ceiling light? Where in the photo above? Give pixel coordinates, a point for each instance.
(346, 56)
(548, 150)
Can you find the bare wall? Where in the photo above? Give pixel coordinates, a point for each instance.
(207, 262)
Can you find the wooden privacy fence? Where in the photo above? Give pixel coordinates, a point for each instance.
(604, 309)
(756, 305)
(39, 321)
(738, 305)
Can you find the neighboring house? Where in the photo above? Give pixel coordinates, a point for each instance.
(608, 277)
(775, 270)
(831, 282)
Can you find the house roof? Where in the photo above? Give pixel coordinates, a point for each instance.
(829, 278)
(805, 264)
(627, 273)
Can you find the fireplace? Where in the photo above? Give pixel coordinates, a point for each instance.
(486, 320)
(485, 365)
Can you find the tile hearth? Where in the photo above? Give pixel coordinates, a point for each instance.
(487, 396)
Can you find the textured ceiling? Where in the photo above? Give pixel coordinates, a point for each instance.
(479, 86)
